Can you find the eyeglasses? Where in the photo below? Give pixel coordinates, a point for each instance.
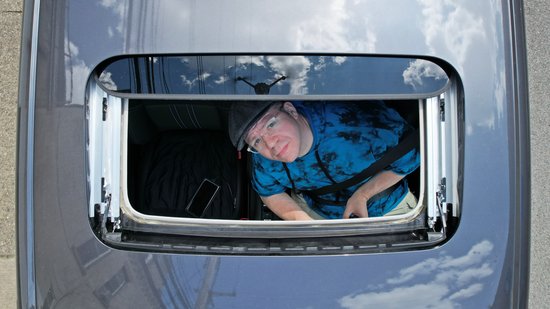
(257, 142)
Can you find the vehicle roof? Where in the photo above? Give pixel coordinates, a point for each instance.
(471, 36)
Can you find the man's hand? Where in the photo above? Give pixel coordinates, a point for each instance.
(285, 207)
(357, 205)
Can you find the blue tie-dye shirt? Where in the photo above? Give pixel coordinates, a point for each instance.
(348, 137)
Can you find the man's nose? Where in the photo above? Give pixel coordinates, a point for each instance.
(270, 141)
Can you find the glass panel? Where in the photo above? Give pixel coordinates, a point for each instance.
(273, 75)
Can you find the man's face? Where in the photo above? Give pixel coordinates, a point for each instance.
(277, 134)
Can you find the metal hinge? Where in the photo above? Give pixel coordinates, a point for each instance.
(105, 105)
(105, 208)
(442, 109)
(105, 212)
(441, 200)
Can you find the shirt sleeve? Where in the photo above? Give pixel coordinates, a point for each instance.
(407, 163)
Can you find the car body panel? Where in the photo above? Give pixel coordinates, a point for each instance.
(484, 264)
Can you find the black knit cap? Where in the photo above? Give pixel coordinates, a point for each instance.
(242, 116)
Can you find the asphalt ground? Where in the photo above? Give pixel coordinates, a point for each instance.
(538, 46)
(538, 56)
(10, 33)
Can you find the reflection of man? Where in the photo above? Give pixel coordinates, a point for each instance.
(310, 145)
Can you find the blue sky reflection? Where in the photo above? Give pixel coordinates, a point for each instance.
(444, 282)
(302, 75)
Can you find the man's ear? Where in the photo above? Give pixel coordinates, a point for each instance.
(290, 109)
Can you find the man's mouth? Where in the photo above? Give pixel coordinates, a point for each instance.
(282, 151)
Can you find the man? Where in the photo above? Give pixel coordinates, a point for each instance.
(309, 145)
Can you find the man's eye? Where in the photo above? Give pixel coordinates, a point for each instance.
(256, 142)
(272, 123)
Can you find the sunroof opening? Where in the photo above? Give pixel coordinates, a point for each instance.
(176, 148)
(163, 161)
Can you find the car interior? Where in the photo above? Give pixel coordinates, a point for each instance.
(174, 145)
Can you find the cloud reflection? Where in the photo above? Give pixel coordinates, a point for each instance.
(420, 69)
(120, 9)
(449, 27)
(106, 79)
(444, 282)
(295, 68)
(76, 74)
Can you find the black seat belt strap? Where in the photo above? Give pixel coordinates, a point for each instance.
(407, 144)
(290, 178)
(323, 167)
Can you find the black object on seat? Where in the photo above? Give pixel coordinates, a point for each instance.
(174, 165)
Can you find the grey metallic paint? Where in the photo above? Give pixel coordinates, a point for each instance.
(484, 264)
